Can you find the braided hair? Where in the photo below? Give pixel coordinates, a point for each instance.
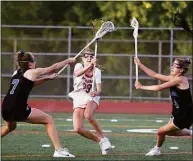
(23, 59)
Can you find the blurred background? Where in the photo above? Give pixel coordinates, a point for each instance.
(56, 30)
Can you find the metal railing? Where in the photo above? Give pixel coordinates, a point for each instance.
(67, 76)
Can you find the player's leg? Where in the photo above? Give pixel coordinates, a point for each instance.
(39, 117)
(165, 130)
(183, 132)
(162, 132)
(78, 117)
(180, 132)
(104, 143)
(88, 114)
(8, 127)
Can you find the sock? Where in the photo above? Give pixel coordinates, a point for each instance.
(190, 132)
(59, 149)
(157, 148)
(100, 141)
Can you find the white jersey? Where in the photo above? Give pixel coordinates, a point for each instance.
(82, 87)
(85, 82)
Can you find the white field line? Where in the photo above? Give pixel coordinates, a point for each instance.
(118, 120)
(101, 119)
(72, 130)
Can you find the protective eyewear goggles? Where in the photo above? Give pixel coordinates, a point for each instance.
(176, 65)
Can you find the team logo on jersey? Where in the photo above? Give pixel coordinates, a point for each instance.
(176, 104)
(87, 84)
(174, 94)
(27, 109)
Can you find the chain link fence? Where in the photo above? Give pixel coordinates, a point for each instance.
(157, 47)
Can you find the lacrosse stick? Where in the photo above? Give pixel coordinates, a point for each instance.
(96, 24)
(180, 21)
(135, 25)
(95, 55)
(106, 27)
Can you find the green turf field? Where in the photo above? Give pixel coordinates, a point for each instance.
(26, 142)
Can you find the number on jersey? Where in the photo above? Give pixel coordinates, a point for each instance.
(87, 87)
(15, 82)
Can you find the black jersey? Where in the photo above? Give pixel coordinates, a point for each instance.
(15, 102)
(181, 102)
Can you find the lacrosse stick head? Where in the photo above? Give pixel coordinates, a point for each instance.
(180, 21)
(96, 24)
(135, 25)
(106, 27)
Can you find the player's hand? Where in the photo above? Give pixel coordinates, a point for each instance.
(137, 61)
(93, 93)
(71, 60)
(52, 76)
(138, 85)
(93, 61)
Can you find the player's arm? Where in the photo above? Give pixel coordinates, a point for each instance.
(98, 84)
(150, 72)
(78, 71)
(172, 82)
(99, 89)
(55, 67)
(33, 74)
(39, 81)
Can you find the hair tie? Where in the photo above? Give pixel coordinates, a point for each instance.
(22, 52)
(187, 60)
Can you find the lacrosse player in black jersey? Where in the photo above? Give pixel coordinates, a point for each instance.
(182, 105)
(15, 108)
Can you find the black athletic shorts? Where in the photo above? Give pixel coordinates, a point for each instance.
(13, 115)
(182, 122)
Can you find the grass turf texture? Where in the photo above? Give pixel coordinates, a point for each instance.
(26, 141)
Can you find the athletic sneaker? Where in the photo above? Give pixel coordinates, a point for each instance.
(62, 153)
(154, 152)
(105, 145)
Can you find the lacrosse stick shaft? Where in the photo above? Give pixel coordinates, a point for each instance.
(135, 25)
(85, 47)
(136, 66)
(95, 55)
(105, 28)
(61, 70)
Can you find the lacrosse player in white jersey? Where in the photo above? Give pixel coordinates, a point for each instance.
(86, 100)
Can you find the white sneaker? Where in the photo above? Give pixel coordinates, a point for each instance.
(105, 146)
(154, 152)
(62, 153)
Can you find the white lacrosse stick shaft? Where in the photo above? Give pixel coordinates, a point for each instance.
(135, 25)
(136, 66)
(106, 27)
(78, 54)
(95, 55)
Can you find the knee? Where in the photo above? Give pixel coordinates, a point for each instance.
(78, 130)
(49, 120)
(88, 117)
(11, 127)
(161, 132)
